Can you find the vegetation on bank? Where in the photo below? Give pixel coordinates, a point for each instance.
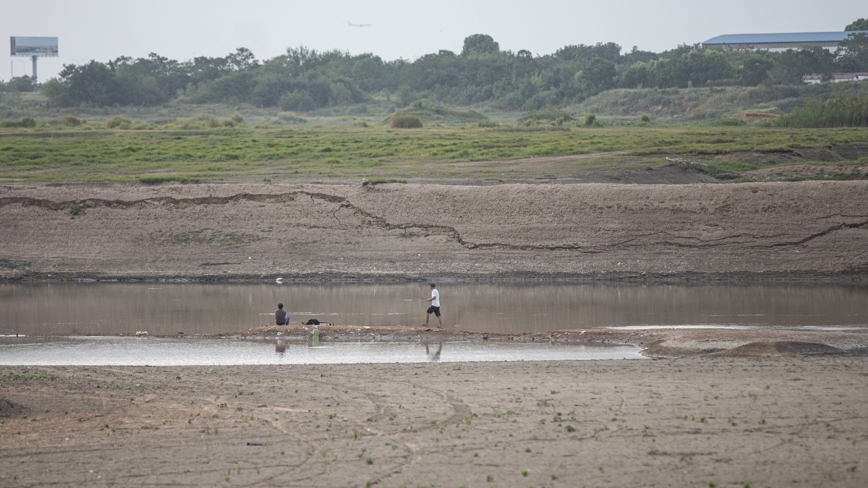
(229, 150)
(836, 112)
(331, 114)
(303, 79)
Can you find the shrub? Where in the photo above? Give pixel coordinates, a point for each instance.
(26, 122)
(849, 111)
(156, 180)
(380, 181)
(71, 121)
(118, 122)
(405, 121)
(291, 118)
(590, 119)
(297, 102)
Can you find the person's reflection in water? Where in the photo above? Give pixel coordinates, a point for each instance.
(436, 355)
(280, 347)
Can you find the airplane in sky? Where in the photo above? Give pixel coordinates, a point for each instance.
(357, 25)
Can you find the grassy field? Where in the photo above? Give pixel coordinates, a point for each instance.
(241, 152)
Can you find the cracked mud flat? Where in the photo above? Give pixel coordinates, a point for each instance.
(805, 230)
(686, 422)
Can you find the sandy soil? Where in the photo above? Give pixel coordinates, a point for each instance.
(346, 231)
(730, 421)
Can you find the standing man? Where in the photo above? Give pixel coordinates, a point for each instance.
(280, 316)
(435, 306)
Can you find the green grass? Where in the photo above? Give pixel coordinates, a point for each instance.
(675, 105)
(838, 112)
(75, 154)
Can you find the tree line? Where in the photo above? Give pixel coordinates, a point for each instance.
(305, 79)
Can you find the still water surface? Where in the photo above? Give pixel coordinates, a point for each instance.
(131, 351)
(169, 308)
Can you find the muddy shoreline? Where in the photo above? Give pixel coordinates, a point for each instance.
(745, 277)
(813, 230)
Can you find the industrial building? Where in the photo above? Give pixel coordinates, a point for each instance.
(780, 42)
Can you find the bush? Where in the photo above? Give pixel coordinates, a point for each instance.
(836, 112)
(291, 118)
(405, 121)
(590, 119)
(381, 181)
(71, 121)
(26, 122)
(296, 102)
(118, 122)
(156, 180)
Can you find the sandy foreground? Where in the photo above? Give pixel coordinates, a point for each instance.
(730, 421)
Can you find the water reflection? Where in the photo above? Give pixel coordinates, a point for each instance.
(130, 351)
(168, 309)
(434, 356)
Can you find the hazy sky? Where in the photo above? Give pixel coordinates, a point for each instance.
(182, 29)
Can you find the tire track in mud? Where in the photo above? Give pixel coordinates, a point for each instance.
(412, 453)
(641, 241)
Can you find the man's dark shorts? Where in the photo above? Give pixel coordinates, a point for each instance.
(434, 310)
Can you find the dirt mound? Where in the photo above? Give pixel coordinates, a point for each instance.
(780, 348)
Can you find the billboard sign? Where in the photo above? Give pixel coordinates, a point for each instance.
(33, 46)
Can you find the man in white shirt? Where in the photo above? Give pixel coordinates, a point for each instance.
(435, 306)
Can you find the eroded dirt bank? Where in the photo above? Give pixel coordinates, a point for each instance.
(691, 422)
(407, 231)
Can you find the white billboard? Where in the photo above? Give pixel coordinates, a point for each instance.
(33, 46)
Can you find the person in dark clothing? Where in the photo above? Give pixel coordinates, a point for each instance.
(280, 316)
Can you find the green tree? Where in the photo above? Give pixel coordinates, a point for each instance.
(479, 44)
(755, 70)
(269, 88)
(91, 83)
(242, 60)
(853, 53)
(19, 84)
(609, 51)
(598, 75)
(56, 92)
(792, 65)
(368, 72)
(857, 25)
(706, 65)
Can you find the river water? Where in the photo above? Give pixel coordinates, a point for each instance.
(79, 310)
(196, 308)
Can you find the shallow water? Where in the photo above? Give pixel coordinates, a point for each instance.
(195, 308)
(130, 351)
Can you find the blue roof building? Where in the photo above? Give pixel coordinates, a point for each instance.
(780, 42)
